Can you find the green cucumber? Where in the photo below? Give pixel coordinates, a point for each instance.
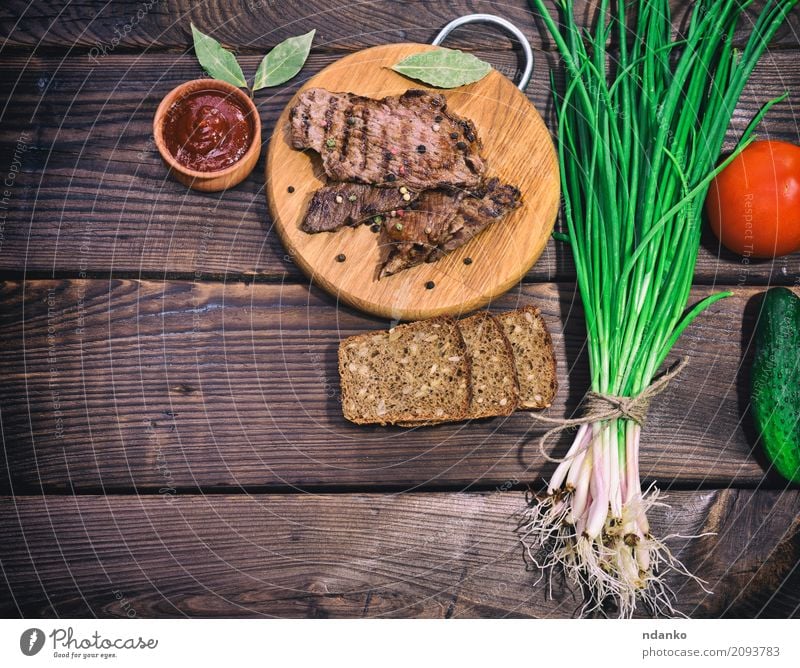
(775, 390)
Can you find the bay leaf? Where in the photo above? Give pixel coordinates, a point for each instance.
(284, 61)
(443, 68)
(216, 60)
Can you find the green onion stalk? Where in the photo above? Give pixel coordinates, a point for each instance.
(641, 123)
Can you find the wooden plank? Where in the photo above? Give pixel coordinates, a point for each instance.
(137, 384)
(257, 25)
(409, 555)
(92, 194)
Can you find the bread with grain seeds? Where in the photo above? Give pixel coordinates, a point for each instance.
(417, 372)
(533, 356)
(495, 390)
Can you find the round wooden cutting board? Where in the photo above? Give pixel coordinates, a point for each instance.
(517, 148)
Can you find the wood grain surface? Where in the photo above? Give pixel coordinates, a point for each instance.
(257, 25)
(172, 439)
(92, 194)
(517, 149)
(361, 555)
(209, 385)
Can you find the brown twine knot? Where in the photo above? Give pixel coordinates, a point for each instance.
(598, 407)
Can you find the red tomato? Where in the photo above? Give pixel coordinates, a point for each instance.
(754, 204)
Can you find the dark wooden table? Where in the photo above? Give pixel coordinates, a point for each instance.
(172, 440)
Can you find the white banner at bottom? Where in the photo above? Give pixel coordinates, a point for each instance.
(388, 643)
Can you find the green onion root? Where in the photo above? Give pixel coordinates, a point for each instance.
(608, 553)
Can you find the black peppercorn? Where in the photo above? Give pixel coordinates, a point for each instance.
(438, 119)
(430, 285)
(290, 189)
(421, 148)
(470, 137)
(341, 257)
(391, 177)
(467, 260)
(461, 146)
(375, 228)
(454, 135)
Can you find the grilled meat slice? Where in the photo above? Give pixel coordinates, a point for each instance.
(415, 237)
(443, 220)
(411, 139)
(483, 207)
(343, 204)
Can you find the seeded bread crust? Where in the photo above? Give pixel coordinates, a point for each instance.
(495, 388)
(417, 372)
(534, 359)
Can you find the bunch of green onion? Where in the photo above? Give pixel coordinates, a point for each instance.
(641, 125)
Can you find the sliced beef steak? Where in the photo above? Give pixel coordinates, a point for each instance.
(343, 204)
(443, 220)
(415, 237)
(411, 139)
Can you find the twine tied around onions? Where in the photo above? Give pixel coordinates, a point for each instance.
(599, 407)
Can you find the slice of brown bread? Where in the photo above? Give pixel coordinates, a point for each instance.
(495, 390)
(533, 356)
(413, 373)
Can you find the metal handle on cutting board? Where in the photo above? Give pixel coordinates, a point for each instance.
(498, 21)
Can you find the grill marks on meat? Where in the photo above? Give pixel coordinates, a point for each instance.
(358, 203)
(483, 207)
(373, 148)
(378, 141)
(443, 220)
(415, 237)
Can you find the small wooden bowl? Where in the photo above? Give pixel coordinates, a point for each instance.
(220, 179)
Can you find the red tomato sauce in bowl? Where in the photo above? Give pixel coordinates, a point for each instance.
(208, 130)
